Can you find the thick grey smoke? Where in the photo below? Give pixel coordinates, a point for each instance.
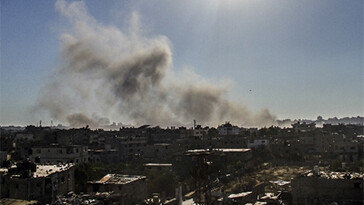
(111, 74)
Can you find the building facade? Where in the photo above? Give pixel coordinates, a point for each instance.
(60, 154)
(43, 183)
(327, 188)
(131, 188)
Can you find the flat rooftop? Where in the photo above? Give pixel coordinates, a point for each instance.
(217, 150)
(51, 146)
(118, 179)
(162, 144)
(157, 165)
(45, 170)
(8, 201)
(337, 175)
(239, 195)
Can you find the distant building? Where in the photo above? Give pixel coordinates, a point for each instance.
(3, 157)
(132, 188)
(199, 131)
(24, 136)
(335, 144)
(304, 127)
(328, 187)
(226, 154)
(43, 183)
(56, 154)
(229, 129)
(158, 150)
(130, 147)
(258, 143)
(158, 166)
(104, 155)
(236, 154)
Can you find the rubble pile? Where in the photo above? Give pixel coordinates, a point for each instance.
(80, 199)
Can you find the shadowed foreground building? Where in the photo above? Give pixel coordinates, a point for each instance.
(328, 187)
(43, 183)
(132, 189)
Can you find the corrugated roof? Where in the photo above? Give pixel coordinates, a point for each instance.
(239, 195)
(118, 179)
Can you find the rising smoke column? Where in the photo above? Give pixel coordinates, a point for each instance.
(107, 73)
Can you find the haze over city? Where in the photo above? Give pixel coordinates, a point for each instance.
(168, 63)
(156, 102)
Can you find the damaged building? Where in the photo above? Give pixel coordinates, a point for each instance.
(42, 183)
(319, 187)
(132, 189)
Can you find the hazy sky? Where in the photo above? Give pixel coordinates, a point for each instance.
(300, 59)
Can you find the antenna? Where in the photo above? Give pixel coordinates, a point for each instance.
(40, 123)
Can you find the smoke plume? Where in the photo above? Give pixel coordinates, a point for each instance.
(109, 74)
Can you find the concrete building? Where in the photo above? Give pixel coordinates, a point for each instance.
(3, 157)
(130, 147)
(158, 151)
(229, 129)
(22, 149)
(236, 154)
(226, 154)
(328, 187)
(230, 141)
(42, 183)
(199, 131)
(104, 155)
(304, 127)
(258, 143)
(346, 149)
(56, 154)
(133, 189)
(24, 136)
(158, 166)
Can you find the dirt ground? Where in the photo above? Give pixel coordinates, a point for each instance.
(267, 174)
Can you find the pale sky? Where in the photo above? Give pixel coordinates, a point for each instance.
(300, 59)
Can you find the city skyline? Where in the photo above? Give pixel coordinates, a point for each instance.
(297, 59)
